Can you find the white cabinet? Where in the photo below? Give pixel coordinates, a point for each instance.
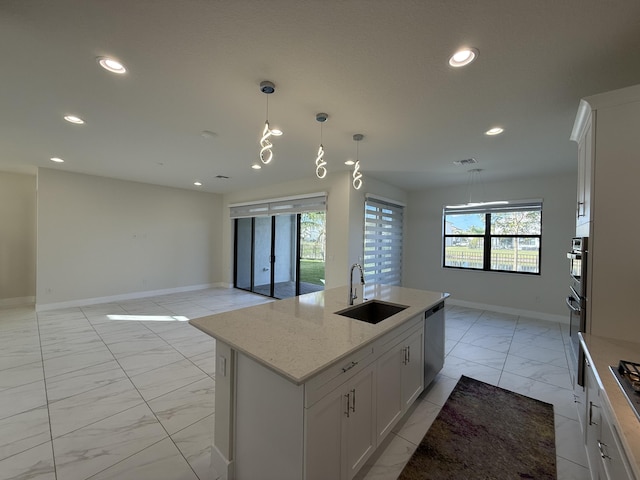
(340, 429)
(594, 420)
(413, 368)
(606, 130)
(584, 137)
(607, 460)
(400, 378)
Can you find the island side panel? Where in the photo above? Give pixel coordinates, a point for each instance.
(222, 452)
(269, 424)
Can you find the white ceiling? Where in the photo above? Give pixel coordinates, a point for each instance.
(377, 67)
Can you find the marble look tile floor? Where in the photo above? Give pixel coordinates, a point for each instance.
(125, 390)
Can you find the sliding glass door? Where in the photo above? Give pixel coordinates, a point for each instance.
(280, 256)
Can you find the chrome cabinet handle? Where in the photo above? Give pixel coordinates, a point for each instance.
(347, 411)
(349, 367)
(353, 407)
(602, 454)
(591, 405)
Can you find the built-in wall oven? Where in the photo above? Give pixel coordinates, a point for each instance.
(577, 301)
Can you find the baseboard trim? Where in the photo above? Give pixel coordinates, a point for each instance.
(17, 301)
(42, 307)
(223, 285)
(550, 317)
(220, 464)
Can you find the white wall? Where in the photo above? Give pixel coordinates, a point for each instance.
(99, 237)
(17, 238)
(544, 293)
(345, 218)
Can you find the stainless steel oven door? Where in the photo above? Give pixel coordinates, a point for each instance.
(576, 324)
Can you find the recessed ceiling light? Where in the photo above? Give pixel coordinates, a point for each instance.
(463, 57)
(57, 160)
(197, 184)
(349, 162)
(74, 119)
(111, 65)
(494, 131)
(256, 166)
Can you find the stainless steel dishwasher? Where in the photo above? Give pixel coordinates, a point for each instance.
(433, 342)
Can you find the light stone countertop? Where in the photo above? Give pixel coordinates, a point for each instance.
(604, 352)
(300, 337)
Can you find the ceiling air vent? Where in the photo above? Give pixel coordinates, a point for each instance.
(466, 161)
(221, 176)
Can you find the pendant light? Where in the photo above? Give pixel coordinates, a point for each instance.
(321, 169)
(476, 190)
(357, 176)
(266, 155)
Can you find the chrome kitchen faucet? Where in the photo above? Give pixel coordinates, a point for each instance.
(353, 293)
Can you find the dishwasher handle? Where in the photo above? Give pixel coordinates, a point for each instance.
(433, 310)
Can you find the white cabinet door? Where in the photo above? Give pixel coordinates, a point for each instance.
(400, 379)
(389, 391)
(341, 429)
(325, 444)
(585, 175)
(413, 368)
(361, 421)
(616, 465)
(593, 428)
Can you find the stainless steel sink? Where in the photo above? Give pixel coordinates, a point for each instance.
(373, 311)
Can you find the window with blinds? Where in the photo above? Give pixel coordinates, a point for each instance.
(383, 225)
(493, 236)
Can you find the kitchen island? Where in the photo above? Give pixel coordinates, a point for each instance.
(305, 393)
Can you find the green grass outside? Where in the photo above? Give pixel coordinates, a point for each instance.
(312, 271)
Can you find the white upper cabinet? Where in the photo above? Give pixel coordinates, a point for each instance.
(607, 129)
(582, 134)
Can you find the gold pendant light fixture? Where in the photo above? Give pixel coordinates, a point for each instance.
(321, 169)
(266, 154)
(357, 175)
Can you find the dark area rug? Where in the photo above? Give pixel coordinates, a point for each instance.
(486, 432)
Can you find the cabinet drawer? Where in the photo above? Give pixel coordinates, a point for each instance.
(334, 376)
(387, 341)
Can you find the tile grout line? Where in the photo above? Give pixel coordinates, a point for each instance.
(46, 396)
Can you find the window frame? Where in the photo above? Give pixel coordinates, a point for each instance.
(487, 236)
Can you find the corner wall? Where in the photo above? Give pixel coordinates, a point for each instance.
(524, 293)
(100, 238)
(17, 238)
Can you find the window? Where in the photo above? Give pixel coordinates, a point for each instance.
(382, 241)
(503, 237)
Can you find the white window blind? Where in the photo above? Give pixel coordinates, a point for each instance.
(383, 224)
(305, 203)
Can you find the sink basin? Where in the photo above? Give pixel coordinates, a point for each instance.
(373, 311)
